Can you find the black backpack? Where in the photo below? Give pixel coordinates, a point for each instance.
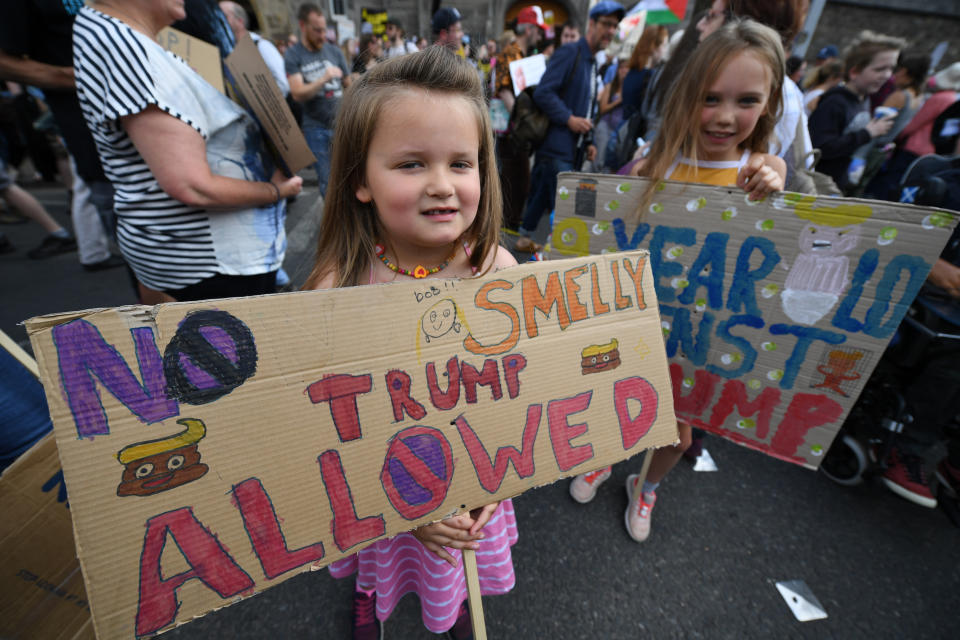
(946, 130)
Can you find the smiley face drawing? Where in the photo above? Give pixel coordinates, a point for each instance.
(158, 465)
(600, 357)
(440, 319)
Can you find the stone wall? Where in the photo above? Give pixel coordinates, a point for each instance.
(840, 23)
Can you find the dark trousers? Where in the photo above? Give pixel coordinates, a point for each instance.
(543, 191)
(514, 164)
(224, 286)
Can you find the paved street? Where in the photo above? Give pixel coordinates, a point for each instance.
(881, 567)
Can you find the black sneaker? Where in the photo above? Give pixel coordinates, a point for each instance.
(462, 629)
(5, 245)
(52, 246)
(110, 263)
(366, 626)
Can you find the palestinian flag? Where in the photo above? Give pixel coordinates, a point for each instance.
(661, 11)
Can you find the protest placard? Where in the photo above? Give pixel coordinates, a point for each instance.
(774, 313)
(527, 72)
(203, 57)
(213, 449)
(256, 90)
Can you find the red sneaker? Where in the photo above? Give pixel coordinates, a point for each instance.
(906, 478)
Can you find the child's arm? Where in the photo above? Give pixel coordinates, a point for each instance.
(762, 175)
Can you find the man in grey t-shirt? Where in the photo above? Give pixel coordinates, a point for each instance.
(317, 72)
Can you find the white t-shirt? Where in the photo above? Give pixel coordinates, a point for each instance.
(792, 119)
(274, 61)
(170, 245)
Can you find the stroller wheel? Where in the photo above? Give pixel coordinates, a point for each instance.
(845, 462)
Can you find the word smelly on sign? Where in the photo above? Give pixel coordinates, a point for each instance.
(774, 313)
(215, 449)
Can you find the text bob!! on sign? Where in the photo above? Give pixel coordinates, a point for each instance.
(213, 449)
(774, 313)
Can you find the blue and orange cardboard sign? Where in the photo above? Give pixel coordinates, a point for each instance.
(774, 313)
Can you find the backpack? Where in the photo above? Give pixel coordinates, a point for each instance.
(946, 130)
(528, 123)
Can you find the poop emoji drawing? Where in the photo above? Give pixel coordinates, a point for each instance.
(600, 357)
(440, 319)
(157, 465)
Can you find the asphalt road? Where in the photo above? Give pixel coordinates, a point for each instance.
(880, 566)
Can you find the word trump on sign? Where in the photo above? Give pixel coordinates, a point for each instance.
(214, 449)
(774, 313)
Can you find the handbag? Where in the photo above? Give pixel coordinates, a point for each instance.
(806, 180)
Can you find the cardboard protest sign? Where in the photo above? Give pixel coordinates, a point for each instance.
(203, 57)
(256, 90)
(240, 441)
(527, 71)
(774, 313)
(41, 587)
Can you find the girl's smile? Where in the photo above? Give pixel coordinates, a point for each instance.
(732, 106)
(423, 173)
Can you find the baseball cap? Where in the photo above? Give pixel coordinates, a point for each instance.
(607, 8)
(445, 18)
(828, 51)
(531, 15)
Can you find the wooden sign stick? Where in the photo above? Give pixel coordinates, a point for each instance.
(647, 459)
(473, 593)
(22, 356)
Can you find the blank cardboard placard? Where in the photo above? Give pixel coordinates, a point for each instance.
(774, 313)
(41, 588)
(213, 449)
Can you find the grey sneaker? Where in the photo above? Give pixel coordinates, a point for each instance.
(639, 509)
(584, 487)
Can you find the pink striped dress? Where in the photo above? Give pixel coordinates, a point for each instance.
(401, 565)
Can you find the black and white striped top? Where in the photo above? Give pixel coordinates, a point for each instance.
(169, 245)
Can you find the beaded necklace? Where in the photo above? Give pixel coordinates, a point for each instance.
(419, 271)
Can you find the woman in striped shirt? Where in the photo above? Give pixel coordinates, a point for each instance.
(200, 207)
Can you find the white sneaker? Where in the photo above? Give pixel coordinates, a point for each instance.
(584, 487)
(639, 508)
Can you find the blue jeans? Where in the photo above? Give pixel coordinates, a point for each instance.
(543, 191)
(318, 139)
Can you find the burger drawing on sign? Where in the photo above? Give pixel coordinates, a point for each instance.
(157, 465)
(600, 357)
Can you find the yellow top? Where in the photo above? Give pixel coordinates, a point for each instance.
(720, 174)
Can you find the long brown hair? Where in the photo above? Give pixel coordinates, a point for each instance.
(680, 132)
(350, 228)
(653, 36)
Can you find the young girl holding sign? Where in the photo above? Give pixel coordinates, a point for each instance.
(414, 193)
(735, 77)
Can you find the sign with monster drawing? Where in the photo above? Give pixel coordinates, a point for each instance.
(214, 449)
(774, 313)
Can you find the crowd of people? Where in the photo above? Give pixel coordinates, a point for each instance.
(417, 181)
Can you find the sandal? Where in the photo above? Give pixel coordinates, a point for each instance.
(526, 245)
